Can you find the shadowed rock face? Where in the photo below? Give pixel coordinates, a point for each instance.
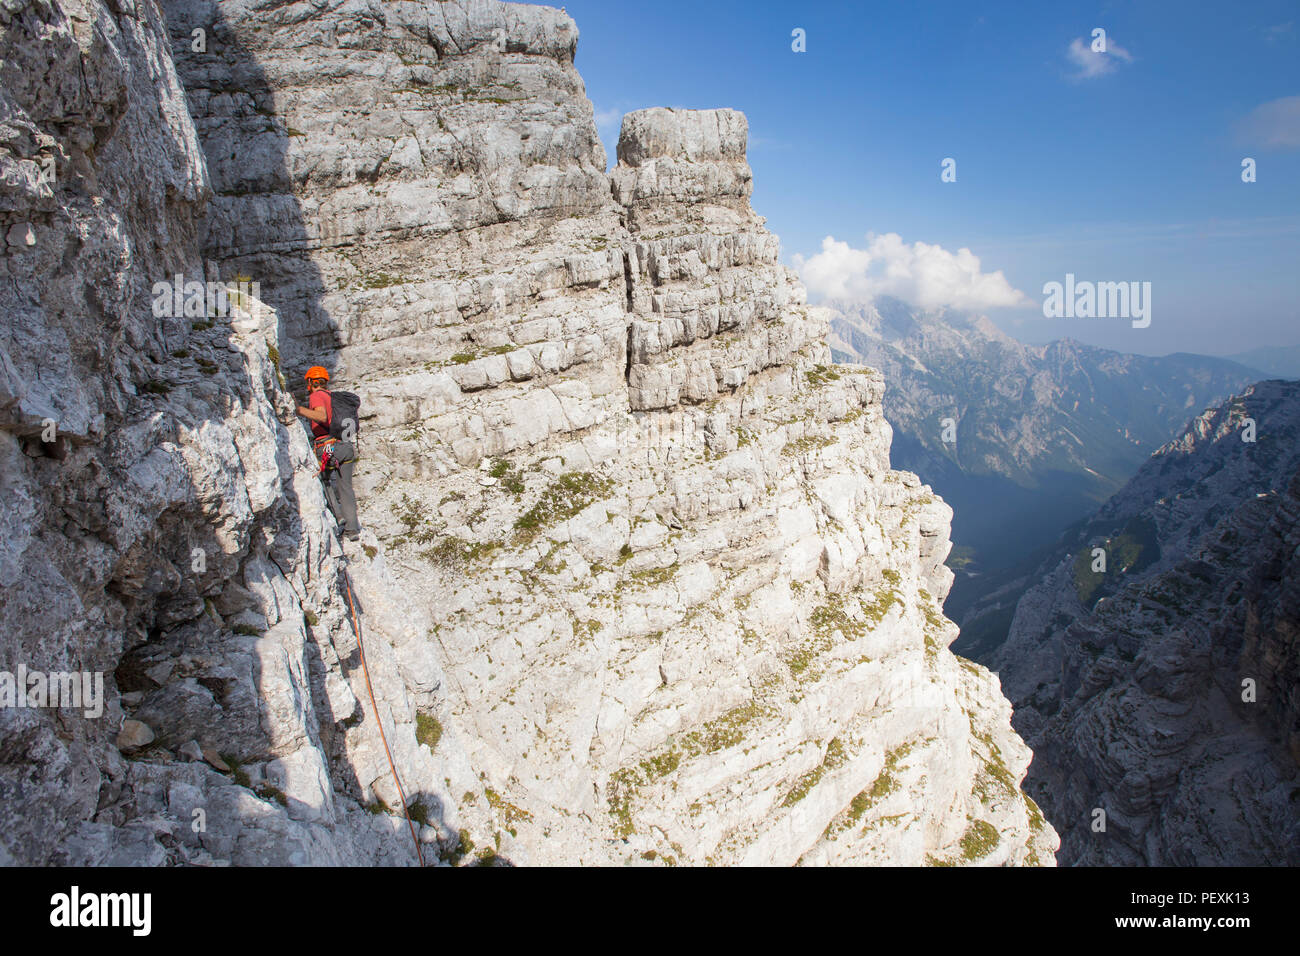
(1128, 684)
(172, 535)
(643, 580)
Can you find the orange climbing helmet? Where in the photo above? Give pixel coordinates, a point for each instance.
(317, 371)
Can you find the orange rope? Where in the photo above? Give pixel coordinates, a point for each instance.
(419, 852)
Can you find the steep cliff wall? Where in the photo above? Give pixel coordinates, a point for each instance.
(639, 573)
(1129, 681)
(171, 536)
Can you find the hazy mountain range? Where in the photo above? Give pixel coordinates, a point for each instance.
(1278, 362)
(1039, 435)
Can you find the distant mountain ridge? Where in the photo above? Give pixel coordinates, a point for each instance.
(1277, 362)
(1044, 433)
(1022, 410)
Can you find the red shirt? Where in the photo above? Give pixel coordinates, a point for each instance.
(321, 399)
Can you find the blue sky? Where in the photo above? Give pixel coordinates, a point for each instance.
(1123, 166)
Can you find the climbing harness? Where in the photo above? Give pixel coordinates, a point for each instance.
(325, 451)
(326, 457)
(356, 626)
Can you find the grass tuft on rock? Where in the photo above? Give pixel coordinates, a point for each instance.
(428, 730)
(565, 497)
(980, 839)
(821, 375)
(456, 555)
(835, 757)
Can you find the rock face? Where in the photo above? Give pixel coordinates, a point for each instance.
(639, 583)
(1129, 682)
(162, 526)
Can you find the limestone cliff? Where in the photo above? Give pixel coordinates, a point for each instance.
(642, 581)
(162, 526)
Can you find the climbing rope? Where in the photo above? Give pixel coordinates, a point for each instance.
(356, 626)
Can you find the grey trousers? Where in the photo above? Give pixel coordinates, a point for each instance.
(338, 488)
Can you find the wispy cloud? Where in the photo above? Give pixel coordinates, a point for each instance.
(608, 121)
(1273, 125)
(1088, 64)
(924, 275)
(1280, 32)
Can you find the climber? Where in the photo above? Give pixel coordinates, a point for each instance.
(335, 446)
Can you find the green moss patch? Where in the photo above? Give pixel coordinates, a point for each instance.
(563, 498)
(821, 375)
(412, 515)
(1036, 820)
(508, 478)
(807, 444)
(237, 772)
(722, 732)
(980, 839)
(886, 782)
(268, 792)
(649, 577)
(381, 280)
(838, 615)
(835, 757)
(509, 814)
(454, 554)
(464, 847)
(428, 729)
(1134, 549)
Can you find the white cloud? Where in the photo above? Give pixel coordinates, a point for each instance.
(921, 274)
(1280, 32)
(1088, 64)
(608, 121)
(1275, 124)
